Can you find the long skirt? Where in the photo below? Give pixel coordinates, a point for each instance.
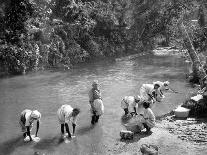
(98, 107)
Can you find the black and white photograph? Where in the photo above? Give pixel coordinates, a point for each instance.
(103, 77)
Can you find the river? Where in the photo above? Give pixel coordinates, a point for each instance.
(48, 90)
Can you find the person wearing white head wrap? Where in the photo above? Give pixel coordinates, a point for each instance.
(65, 115)
(27, 118)
(130, 104)
(96, 103)
(164, 86)
(148, 92)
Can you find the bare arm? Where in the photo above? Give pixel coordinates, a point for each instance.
(28, 133)
(37, 129)
(74, 125)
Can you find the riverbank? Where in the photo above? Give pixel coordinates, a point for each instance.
(168, 144)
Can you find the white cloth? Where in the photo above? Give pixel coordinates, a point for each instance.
(197, 97)
(149, 117)
(64, 114)
(129, 102)
(29, 121)
(145, 90)
(98, 107)
(26, 120)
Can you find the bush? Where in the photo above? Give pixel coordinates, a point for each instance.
(17, 60)
(197, 109)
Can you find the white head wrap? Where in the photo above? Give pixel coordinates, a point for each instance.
(36, 114)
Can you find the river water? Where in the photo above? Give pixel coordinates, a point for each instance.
(48, 90)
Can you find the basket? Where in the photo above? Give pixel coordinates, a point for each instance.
(181, 112)
(124, 134)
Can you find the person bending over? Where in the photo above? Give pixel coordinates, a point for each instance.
(130, 103)
(148, 92)
(27, 118)
(65, 115)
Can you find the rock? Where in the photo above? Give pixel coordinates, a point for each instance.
(124, 134)
(149, 149)
(36, 153)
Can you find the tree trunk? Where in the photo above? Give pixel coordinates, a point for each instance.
(197, 68)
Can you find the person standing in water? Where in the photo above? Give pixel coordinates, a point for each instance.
(130, 104)
(65, 115)
(27, 118)
(96, 103)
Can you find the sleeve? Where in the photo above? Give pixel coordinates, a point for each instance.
(151, 115)
(134, 104)
(73, 120)
(125, 102)
(27, 117)
(90, 95)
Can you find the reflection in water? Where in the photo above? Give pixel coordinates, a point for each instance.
(47, 91)
(8, 147)
(84, 130)
(49, 143)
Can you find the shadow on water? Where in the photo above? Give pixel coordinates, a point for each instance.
(49, 143)
(7, 147)
(85, 130)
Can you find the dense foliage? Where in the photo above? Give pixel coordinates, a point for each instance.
(60, 33)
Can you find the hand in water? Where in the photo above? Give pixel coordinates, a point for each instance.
(72, 136)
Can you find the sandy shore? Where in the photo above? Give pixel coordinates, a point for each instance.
(168, 143)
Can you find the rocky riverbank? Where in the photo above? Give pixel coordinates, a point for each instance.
(173, 137)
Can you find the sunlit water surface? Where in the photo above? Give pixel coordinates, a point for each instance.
(47, 91)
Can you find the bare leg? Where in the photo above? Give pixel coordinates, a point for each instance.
(97, 118)
(62, 129)
(67, 130)
(93, 119)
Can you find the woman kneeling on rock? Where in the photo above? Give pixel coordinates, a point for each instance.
(149, 117)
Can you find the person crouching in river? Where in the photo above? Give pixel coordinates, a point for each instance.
(148, 117)
(65, 115)
(95, 100)
(130, 104)
(26, 122)
(148, 92)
